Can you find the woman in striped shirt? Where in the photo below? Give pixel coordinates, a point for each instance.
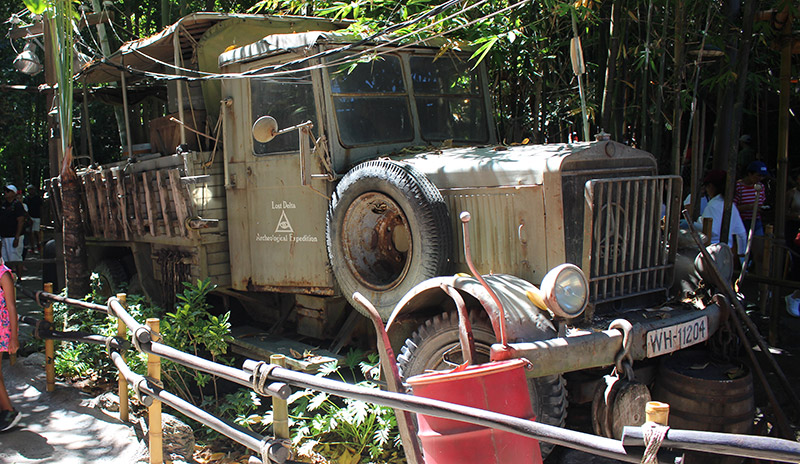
(749, 192)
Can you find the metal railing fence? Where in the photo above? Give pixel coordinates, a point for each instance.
(271, 379)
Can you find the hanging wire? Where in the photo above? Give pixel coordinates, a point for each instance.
(377, 50)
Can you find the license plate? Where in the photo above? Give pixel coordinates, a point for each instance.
(676, 337)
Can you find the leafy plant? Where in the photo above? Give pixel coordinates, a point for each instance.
(74, 359)
(344, 430)
(192, 328)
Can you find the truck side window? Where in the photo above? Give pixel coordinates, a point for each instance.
(371, 102)
(290, 100)
(449, 100)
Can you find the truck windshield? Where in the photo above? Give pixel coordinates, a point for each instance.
(290, 100)
(371, 102)
(449, 100)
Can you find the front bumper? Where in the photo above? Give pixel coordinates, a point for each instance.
(589, 349)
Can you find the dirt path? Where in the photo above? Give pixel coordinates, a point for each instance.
(61, 426)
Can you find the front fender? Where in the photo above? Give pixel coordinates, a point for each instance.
(523, 320)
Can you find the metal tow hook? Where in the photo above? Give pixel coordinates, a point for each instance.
(619, 400)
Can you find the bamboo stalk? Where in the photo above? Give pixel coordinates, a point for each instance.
(122, 383)
(280, 408)
(49, 348)
(155, 438)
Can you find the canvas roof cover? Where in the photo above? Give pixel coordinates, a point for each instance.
(150, 53)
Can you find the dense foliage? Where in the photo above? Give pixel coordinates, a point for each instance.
(643, 69)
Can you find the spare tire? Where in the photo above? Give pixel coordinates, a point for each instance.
(388, 229)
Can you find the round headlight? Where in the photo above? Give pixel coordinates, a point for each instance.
(566, 291)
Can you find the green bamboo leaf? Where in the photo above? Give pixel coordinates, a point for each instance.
(36, 6)
(483, 50)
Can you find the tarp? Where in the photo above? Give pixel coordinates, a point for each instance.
(155, 53)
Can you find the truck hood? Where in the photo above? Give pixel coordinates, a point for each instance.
(514, 165)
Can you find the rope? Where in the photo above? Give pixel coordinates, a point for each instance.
(654, 435)
(260, 376)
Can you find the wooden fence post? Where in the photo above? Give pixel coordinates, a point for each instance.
(154, 411)
(280, 408)
(655, 411)
(122, 383)
(49, 348)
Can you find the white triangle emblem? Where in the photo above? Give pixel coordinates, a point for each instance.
(283, 225)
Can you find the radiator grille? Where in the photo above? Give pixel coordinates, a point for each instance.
(632, 224)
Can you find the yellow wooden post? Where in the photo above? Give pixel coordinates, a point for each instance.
(658, 412)
(122, 383)
(708, 225)
(49, 348)
(280, 409)
(154, 411)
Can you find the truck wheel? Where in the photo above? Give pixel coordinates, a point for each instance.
(388, 229)
(425, 349)
(112, 277)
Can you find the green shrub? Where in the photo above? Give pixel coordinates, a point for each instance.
(73, 359)
(193, 329)
(344, 430)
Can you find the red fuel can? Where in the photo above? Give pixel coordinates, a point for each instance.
(496, 386)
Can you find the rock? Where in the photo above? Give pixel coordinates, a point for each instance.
(108, 401)
(35, 360)
(178, 445)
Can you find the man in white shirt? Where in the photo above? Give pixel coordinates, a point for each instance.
(714, 183)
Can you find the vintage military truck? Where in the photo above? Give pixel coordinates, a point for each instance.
(343, 166)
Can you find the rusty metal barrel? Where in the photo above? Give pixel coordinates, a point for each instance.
(707, 394)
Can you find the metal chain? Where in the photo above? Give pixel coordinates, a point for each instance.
(624, 361)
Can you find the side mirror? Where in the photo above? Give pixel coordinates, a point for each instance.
(265, 129)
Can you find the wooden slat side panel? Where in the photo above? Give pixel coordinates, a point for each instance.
(91, 206)
(162, 198)
(122, 204)
(180, 200)
(149, 203)
(136, 204)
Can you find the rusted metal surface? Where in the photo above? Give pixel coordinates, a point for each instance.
(586, 350)
(405, 420)
(377, 241)
(289, 288)
(465, 337)
(523, 319)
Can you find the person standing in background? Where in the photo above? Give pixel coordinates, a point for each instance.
(714, 184)
(748, 188)
(12, 221)
(34, 202)
(9, 342)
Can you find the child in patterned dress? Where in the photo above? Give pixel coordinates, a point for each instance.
(9, 341)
